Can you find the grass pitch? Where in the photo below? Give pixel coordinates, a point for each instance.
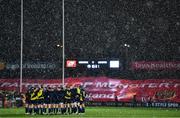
(103, 112)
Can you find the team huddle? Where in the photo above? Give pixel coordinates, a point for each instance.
(58, 100)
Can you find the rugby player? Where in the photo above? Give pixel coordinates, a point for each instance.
(74, 100)
(82, 99)
(27, 97)
(60, 95)
(78, 97)
(50, 99)
(55, 100)
(46, 100)
(40, 100)
(34, 100)
(67, 99)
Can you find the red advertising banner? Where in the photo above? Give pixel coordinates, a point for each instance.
(155, 65)
(110, 89)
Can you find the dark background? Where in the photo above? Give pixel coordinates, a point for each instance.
(93, 29)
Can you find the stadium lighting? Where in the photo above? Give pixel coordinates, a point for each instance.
(58, 45)
(126, 45)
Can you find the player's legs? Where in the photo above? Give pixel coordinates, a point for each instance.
(33, 106)
(30, 106)
(36, 108)
(83, 107)
(68, 108)
(41, 106)
(62, 107)
(57, 106)
(27, 108)
(54, 107)
(65, 107)
(45, 107)
(49, 107)
(78, 107)
(75, 109)
(72, 107)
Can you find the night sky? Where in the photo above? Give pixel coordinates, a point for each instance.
(93, 29)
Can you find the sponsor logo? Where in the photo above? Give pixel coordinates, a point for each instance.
(165, 94)
(96, 85)
(156, 65)
(71, 63)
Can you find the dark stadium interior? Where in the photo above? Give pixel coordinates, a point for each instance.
(93, 29)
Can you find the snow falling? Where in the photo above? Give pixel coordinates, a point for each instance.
(93, 29)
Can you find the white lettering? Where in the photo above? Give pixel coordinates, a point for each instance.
(87, 84)
(111, 85)
(14, 85)
(176, 85)
(173, 105)
(164, 84)
(133, 86)
(123, 85)
(144, 84)
(111, 95)
(153, 85)
(101, 95)
(101, 85)
(5, 84)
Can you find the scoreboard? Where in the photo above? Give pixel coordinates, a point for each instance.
(94, 64)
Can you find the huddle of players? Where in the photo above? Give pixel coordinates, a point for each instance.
(59, 100)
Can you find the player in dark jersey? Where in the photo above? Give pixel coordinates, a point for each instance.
(74, 99)
(55, 100)
(34, 100)
(50, 99)
(46, 100)
(60, 95)
(27, 105)
(67, 99)
(30, 100)
(82, 99)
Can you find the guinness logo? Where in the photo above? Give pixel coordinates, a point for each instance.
(165, 94)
